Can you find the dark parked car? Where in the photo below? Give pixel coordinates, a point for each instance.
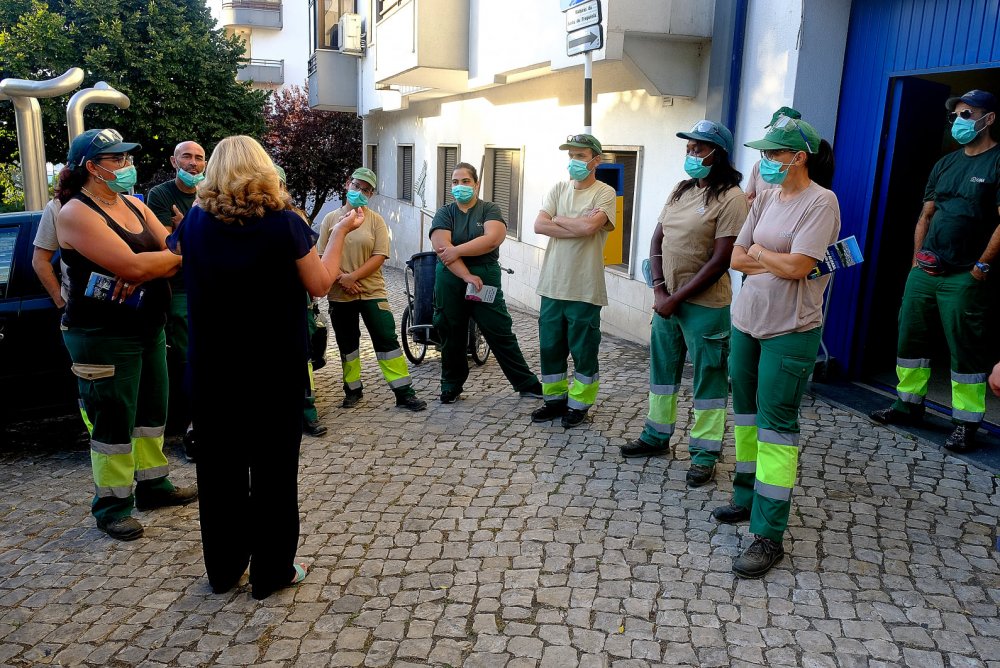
(35, 378)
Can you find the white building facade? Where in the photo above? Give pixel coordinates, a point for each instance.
(488, 82)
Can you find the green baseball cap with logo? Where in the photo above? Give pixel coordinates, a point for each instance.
(366, 175)
(582, 141)
(788, 133)
(92, 143)
(783, 111)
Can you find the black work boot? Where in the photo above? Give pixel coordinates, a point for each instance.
(892, 416)
(758, 559)
(549, 411)
(700, 475)
(312, 428)
(410, 402)
(122, 528)
(640, 448)
(152, 499)
(351, 399)
(963, 439)
(731, 514)
(573, 417)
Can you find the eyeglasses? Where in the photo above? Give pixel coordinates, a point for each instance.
(120, 159)
(774, 153)
(364, 188)
(965, 113)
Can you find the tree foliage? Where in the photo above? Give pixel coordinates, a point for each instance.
(317, 149)
(177, 69)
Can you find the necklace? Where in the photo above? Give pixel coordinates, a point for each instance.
(100, 199)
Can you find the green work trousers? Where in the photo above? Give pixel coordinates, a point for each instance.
(123, 391)
(309, 412)
(452, 312)
(377, 316)
(958, 305)
(769, 377)
(704, 332)
(569, 328)
(176, 331)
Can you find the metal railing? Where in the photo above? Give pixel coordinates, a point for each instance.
(252, 4)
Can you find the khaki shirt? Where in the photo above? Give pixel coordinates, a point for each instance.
(372, 238)
(768, 306)
(573, 269)
(690, 227)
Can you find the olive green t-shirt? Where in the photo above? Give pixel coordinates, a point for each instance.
(966, 193)
(769, 306)
(573, 269)
(467, 225)
(161, 199)
(690, 227)
(372, 238)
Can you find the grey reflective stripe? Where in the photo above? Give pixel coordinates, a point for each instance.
(555, 397)
(586, 380)
(746, 419)
(663, 389)
(578, 405)
(921, 363)
(553, 377)
(353, 385)
(709, 404)
(147, 432)
(746, 467)
(967, 416)
(350, 357)
(773, 491)
(391, 355)
(968, 378)
(400, 382)
(910, 398)
(111, 448)
(705, 445)
(659, 428)
(153, 473)
(777, 437)
(117, 492)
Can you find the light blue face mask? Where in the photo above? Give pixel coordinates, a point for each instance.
(356, 199)
(964, 130)
(770, 171)
(124, 180)
(578, 170)
(695, 167)
(189, 179)
(462, 193)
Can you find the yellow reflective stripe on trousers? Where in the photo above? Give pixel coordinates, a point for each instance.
(351, 365)
(662, 415)
(913, 375)
(777, 464)
(555, 387)
(86, 418)
(312, 380)
(583, 394)
(147, 446)
(709, 424)
(113, 473)
(745, 435)
(968, 396)
(394, 368)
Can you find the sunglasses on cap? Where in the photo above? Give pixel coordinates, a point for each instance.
(706, 128)
(103, 139)
(579, 139)
(965, 113)
(785, 121)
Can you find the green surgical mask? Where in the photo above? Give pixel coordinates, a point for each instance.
(189, 179)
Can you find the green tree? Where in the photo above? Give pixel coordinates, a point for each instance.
(317, 149)
(177, 68)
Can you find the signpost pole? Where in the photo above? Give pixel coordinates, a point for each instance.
(588, 90)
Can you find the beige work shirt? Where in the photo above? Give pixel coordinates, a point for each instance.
(372, 238)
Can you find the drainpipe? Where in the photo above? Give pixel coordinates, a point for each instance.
(101, 93)
(736, 71)
(726, 61)
(28, 117)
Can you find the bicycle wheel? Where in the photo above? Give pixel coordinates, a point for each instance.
(413, 350)
(478, 348)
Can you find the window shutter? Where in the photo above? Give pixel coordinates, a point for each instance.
(502, 181)
(449, 158)
(406, 173)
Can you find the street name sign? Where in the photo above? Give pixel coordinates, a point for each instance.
(567, 4)
(581, 41)
(583, 16)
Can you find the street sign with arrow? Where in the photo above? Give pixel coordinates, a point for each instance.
(581, 41)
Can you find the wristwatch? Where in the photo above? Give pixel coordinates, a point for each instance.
(983, 267)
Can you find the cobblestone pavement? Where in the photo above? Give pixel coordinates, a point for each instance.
(467, 536)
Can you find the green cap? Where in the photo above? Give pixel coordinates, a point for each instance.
(789, 133)
(366, 175)
(582, 141)
(281, 173)
(783, 111)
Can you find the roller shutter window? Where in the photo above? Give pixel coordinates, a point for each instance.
(447, 159)
(506, 187)
(405, 173)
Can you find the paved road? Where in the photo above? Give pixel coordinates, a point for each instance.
(467, 536)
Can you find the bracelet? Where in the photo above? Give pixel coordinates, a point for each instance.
(759, 253)
(656, 285)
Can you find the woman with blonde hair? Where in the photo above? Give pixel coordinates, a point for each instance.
(247, 252)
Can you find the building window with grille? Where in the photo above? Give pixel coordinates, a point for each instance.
(447, 159)
(503, 167)
(371, 157)
(404, 174)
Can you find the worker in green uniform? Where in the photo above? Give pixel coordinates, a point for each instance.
(690, 252)
(117, 264)
(170, 201)
(577, 216)
(359, 293)
(956, 240)
(466, 235)
(777, 326)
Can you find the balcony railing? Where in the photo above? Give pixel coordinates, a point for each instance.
(260, 71)
(252, 14)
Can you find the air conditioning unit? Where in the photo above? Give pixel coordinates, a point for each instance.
(350, 33)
